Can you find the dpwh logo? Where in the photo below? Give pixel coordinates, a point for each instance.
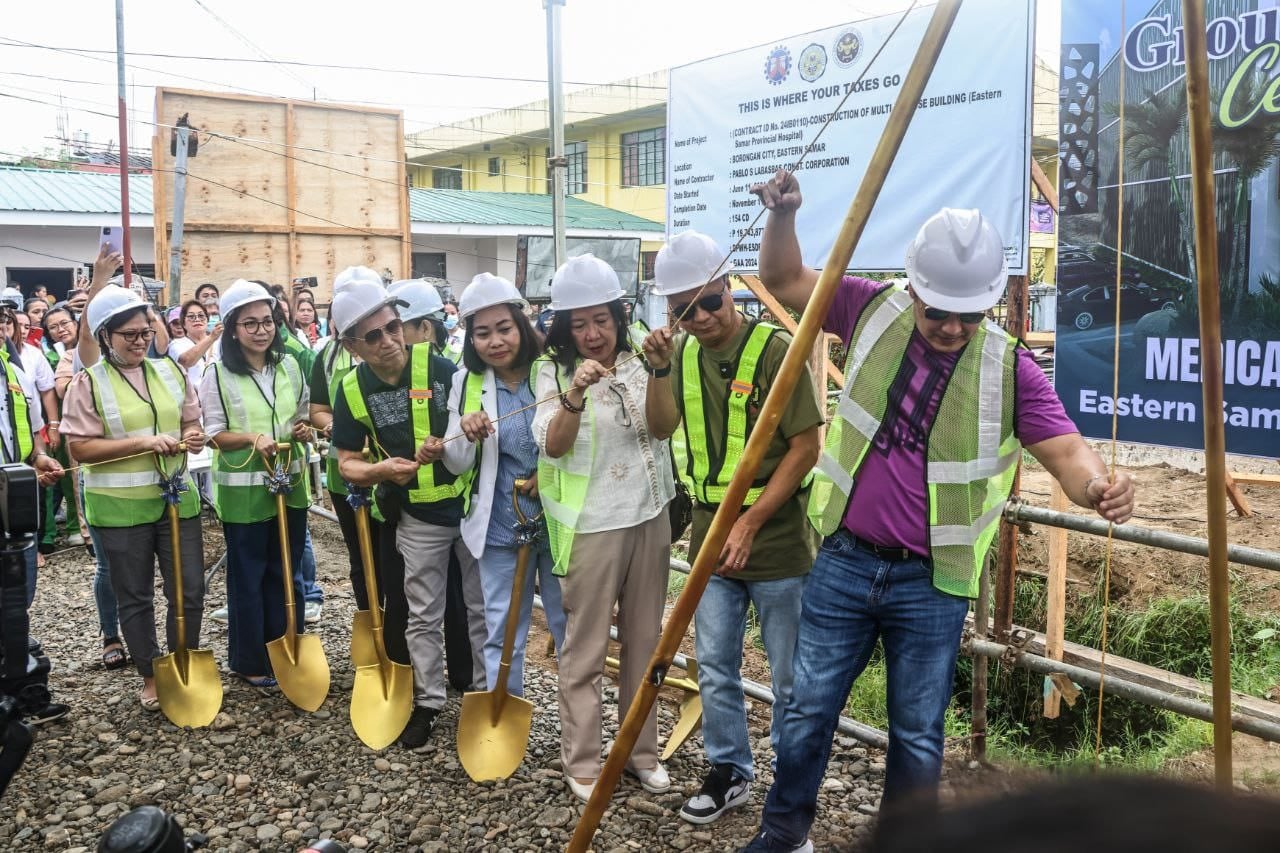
(813, 61)
(848, 47)
(778, 65)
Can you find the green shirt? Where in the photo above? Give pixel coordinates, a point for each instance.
(786, 544)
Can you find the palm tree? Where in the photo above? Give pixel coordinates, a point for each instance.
(1150, 128)
(1251, 148)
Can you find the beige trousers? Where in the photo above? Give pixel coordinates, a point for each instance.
(629, 567)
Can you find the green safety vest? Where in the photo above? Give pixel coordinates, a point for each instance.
(708, 476)
(19, 417)
(303, 354)
(127, 493)
(562, 483)
(333, 372)
(972, 451)
(240, 494)
(435, 481)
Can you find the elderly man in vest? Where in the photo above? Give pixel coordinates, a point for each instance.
(716, 376)
(937, 406)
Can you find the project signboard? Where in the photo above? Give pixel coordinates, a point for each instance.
(1159, 365)
(733, 120)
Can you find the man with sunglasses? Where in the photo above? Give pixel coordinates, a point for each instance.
(716, 376)
(396, 403)
(937, 405)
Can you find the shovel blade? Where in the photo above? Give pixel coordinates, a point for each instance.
(490, 750)
(688, 724)
(363, 650)
(301, 669)
(194, 700)
(381, 703)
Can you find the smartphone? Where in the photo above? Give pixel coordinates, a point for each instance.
(113, 238)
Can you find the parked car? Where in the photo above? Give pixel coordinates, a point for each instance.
(1081, 271)
(1084, 306)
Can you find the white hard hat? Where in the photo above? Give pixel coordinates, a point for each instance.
(485, 291)
(956, 262)
(108, 302)
(12, 296)
(420, 297)
(690, 259)
(243, 292)
(582, 282)
(358, 293)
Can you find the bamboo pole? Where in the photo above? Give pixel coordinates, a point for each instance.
(1215, 460)
(1056, 607)
(810, 327)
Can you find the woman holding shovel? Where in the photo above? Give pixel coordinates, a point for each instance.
(605, 480)
(498, 354)
(254, 399)
(124, 418)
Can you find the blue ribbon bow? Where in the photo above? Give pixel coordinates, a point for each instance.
(278, 482)
(172, 487)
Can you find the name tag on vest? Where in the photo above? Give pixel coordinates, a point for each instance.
(15, 387)
(420, 394)
(740, 387)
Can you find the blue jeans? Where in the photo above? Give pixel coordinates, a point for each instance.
(721, 622)
(497, 572)
(255, 589)
(103, 593)
(311, 590)
(852, 598)
(29, 557)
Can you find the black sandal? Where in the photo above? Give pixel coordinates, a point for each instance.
(113, 656)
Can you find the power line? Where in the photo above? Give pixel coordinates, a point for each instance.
(245, 40)
(327, 66)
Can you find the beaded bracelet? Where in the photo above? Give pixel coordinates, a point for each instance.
(570, 407)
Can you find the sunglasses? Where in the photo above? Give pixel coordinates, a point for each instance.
(969, 318)
(134, 335)
(711, 304)
(372, 336)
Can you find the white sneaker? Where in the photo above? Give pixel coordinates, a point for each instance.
(311, 612)
(75, 539)
(654, 780)
(219, 615)
(581, 791)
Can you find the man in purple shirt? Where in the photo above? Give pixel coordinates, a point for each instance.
(908, 510)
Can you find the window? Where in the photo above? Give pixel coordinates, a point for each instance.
(644, 157)
(428, 264)
(447, 178)
(575, 175)
(495, 166)
(647, 262)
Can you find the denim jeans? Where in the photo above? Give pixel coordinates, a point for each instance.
(104, 595)
(311, 590)
(852, 598)
(497, 572)
(721, 622)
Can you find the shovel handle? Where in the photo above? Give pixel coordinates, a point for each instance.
(179, 610)
(286, 567)
(370, 576)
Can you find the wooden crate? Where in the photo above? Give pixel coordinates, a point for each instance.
(303, 189)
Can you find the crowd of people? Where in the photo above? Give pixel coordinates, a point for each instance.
(460, 417)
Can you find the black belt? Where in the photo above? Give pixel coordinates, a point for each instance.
(883, 551)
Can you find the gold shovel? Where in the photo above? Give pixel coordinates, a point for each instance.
(690, 719)
(382, 695)
(493, 725)
(187, 681)
(297, 660)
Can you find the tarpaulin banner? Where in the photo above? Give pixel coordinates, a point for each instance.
(1159, 399)
(733, 120)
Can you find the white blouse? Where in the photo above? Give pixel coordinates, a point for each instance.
(631, 478)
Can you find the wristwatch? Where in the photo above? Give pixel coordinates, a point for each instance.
(657, 372)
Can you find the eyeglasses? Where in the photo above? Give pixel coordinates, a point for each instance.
(134, 335)
(62, 324)
(254, 326)
(969, 318)
(623, 415)
(711, 304)
(195, 318)
(372, 336)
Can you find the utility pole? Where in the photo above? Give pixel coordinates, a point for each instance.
(123, 113)
(557, 166)
(182, 143)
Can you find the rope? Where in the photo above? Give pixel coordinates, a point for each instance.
(742, 234)
(1115, 419)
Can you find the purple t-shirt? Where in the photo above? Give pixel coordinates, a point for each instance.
(889, 503)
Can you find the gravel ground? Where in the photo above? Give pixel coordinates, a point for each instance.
(267, 776)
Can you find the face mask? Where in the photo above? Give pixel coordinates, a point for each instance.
(451, 321)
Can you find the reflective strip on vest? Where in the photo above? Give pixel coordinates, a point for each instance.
(19, 417)
(972, 452)
(710, 477)
(334, 370)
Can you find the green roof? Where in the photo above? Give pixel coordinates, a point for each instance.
(64, 191)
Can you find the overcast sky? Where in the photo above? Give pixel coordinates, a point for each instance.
(604, 40)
